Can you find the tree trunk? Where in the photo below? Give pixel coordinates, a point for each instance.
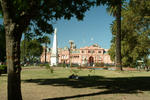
(13, 36)
(13, 66)
(15, 25)
(118, 38)
(24, 51)
(45, 51)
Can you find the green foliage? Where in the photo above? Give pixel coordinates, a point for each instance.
(99, 64)
(135, 35)
(3, 69)
(142, 6)
(67, 65)
(42, 13)
(63, 65)
(32, 50)
(112, 6)
(46, 66)
(148, 62)
(43, 64)
(2, 44)
(38, 14)
(75, 65)
(51, 69)
(112, 3)
(44, 39)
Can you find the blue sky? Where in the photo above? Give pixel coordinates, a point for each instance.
(95, 28)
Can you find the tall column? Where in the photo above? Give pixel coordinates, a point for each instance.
(54, 53)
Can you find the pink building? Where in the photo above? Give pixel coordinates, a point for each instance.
(86, 55)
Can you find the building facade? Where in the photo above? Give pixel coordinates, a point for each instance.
(86, 55)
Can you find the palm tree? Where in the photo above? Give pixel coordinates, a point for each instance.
(27, 37)
(114, 8)
(45, 40)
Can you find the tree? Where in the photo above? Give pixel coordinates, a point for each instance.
(18, 15)
(114, 8)
(28, 36)
(45, 40)
(135, 34)
(33, 50)
(2, 44)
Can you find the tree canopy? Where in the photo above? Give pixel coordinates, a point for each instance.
(135, 33)
(18, 15)
(32, 51)
(2, 44)
(41, 13)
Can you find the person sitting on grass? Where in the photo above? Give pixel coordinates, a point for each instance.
(73, 76)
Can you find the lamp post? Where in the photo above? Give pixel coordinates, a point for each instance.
(71, 42)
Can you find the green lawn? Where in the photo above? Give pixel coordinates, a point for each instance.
(41, 84)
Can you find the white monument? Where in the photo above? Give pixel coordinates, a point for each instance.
(54, 53)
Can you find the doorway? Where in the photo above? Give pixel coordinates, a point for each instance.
(91, 61)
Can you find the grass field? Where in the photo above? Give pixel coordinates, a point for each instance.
(41, 84)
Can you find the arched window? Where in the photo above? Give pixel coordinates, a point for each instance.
(82, 51)
(99, 51)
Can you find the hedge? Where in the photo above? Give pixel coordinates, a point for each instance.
(3, 69)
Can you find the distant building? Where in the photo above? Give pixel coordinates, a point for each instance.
(86, 55)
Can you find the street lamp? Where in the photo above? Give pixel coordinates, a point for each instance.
(71, 42)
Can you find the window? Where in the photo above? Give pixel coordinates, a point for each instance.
(82, 51)
(100, 58)
(93, 51)
(89, 51)
(83, 57)
(99, 51)
(66, 56)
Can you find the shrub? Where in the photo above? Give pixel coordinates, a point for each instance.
(3, 69)
(109, 65)
(75, 65)
(43, 64)
(49, 68)
(99, 64)
(63, 65)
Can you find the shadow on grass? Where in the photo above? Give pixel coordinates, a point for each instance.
(78, 96)
(112, 85)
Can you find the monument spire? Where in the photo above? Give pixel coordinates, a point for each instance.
(54, 53)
